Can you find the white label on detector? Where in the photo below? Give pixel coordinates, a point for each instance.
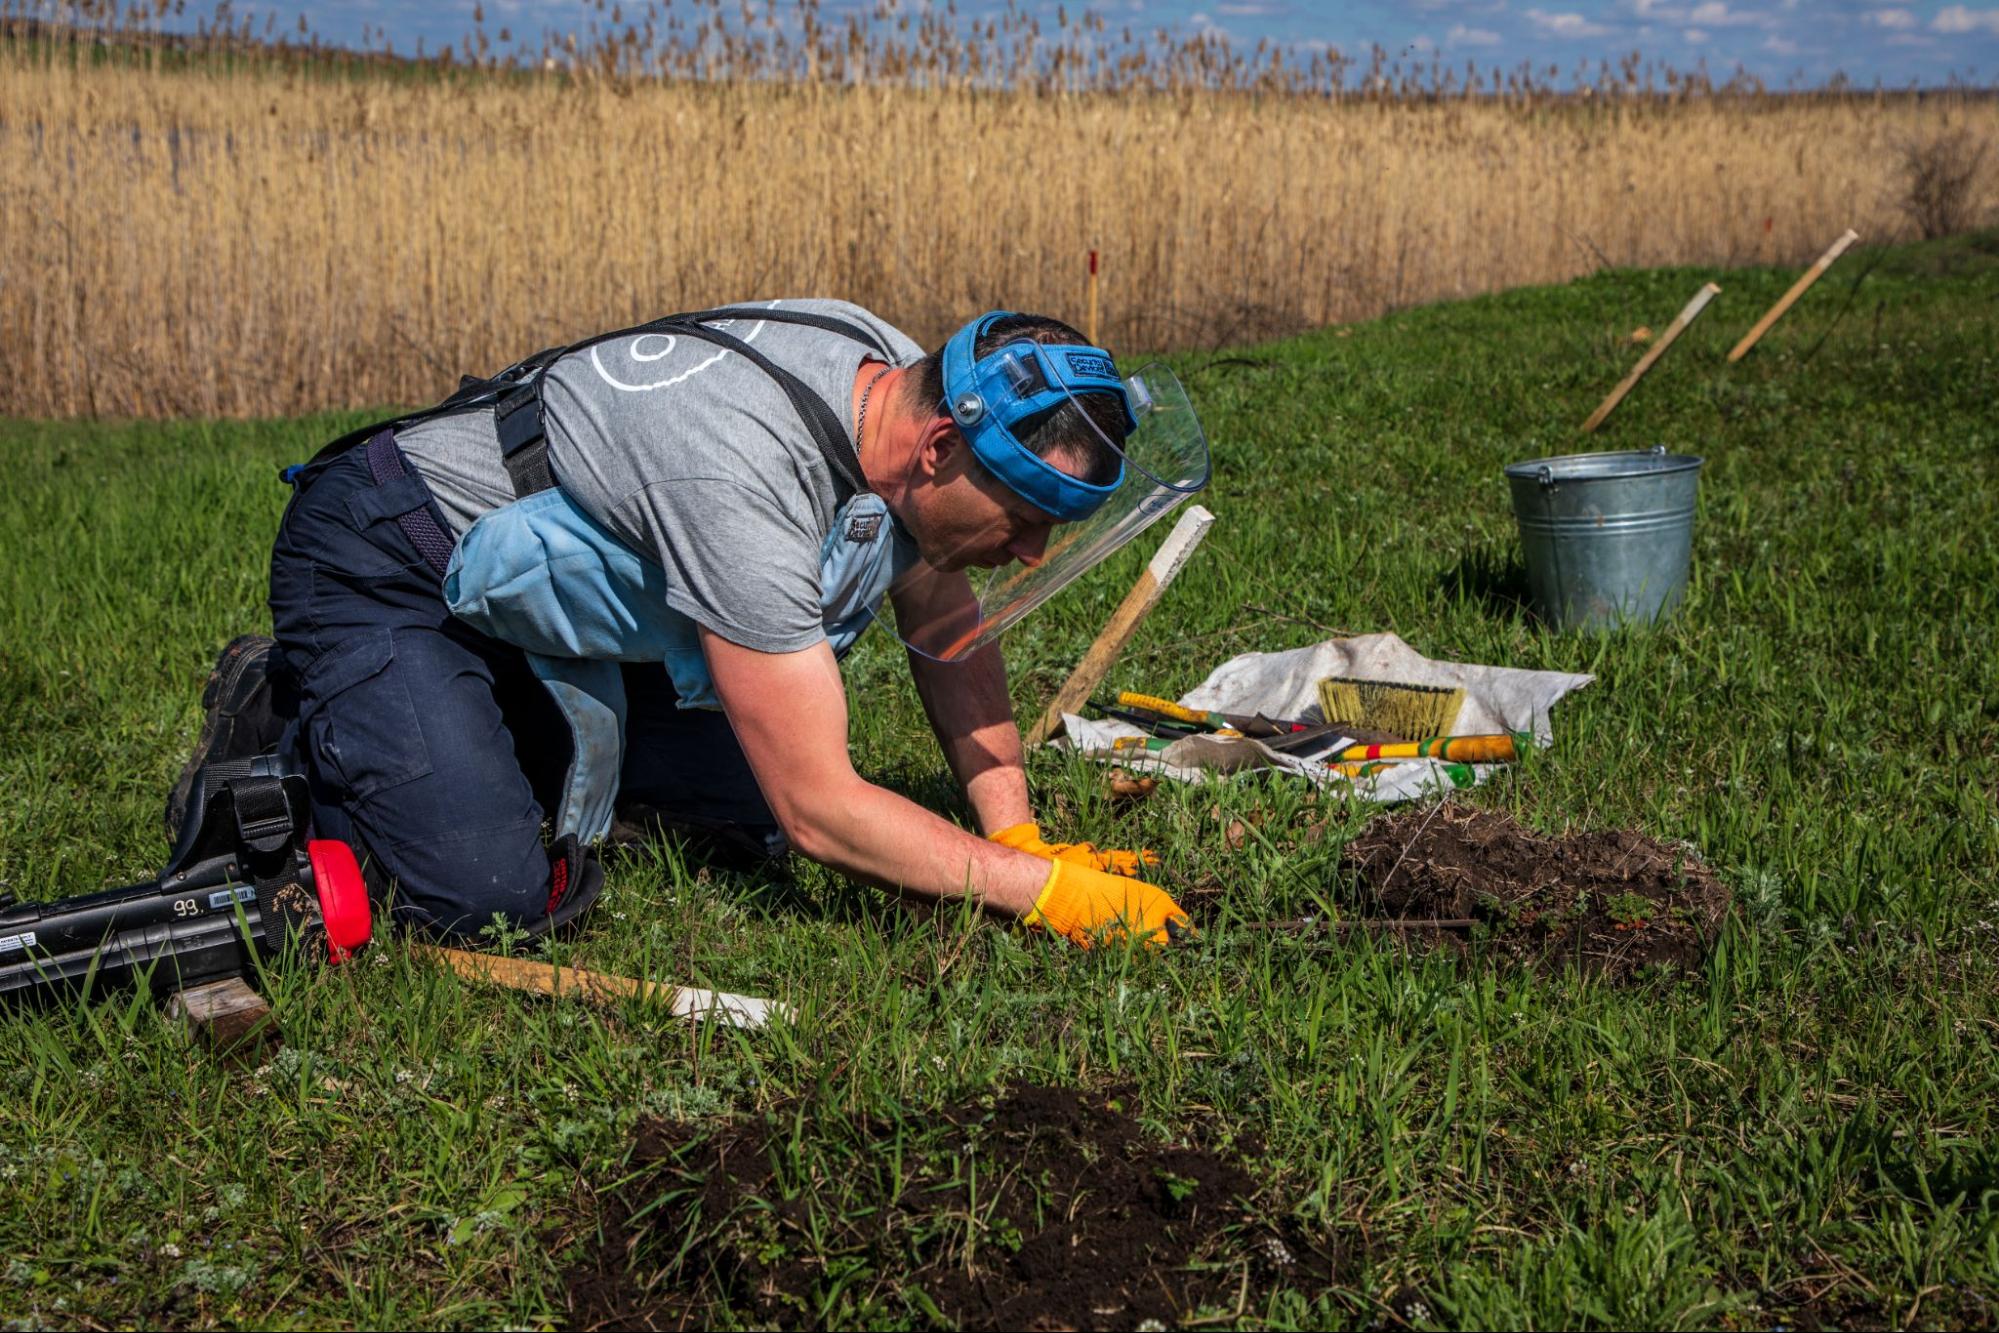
(24, 940)
(223, 898)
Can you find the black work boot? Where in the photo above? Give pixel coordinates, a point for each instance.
(723, 843)
(239, 720)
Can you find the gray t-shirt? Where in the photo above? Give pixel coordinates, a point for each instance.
(693, 456)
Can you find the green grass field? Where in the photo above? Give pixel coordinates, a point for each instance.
(1803, 1132)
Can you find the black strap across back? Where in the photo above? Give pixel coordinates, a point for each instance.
(515, 395)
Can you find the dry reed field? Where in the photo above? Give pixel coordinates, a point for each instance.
(248, 236)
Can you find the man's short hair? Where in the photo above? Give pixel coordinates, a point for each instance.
(1060, 430)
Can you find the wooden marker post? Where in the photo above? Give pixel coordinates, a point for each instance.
(1092, 329)
(1137, 604)
(524, 974)
(1680, 321)
(1790, 298)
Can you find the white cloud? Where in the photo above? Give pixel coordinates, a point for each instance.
(1912, 39)
(1566, 25)
(1894, 19)
(1693, 36)
(1780, 46)
(1717, 14)
(1460, 35)
(1247, 9)
(1958, 18)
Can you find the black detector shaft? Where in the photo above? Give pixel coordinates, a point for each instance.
(244, 880)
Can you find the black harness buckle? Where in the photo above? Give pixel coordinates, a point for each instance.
(523, 439)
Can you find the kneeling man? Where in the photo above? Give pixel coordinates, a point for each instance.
(624, 572)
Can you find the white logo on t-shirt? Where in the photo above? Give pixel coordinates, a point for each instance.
(640, 349)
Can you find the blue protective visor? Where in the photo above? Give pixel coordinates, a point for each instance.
(961, 599)
(988, 396)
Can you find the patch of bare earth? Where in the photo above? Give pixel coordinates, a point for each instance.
(1083, 1222)
(1614, 903)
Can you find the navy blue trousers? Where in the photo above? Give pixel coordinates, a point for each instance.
(432, 748)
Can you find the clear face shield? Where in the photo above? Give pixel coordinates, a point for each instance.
(1002, 530)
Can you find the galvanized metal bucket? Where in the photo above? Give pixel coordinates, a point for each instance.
(1609, 537)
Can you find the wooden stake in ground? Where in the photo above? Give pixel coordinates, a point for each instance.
(1124, 621)
(1675, 329)
(1790, 298)
(524, 974)
(1092, 329)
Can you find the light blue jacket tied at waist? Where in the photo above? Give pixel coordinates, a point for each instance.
(543, 575)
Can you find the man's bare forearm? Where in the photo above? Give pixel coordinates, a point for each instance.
(874, 834)
(789, 713)
(969, 710)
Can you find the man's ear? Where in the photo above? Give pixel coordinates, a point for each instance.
(940, 449)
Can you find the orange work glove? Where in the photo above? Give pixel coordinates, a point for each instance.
(1088, 905)
(1027, 838)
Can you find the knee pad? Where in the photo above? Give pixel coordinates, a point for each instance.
(575, 880)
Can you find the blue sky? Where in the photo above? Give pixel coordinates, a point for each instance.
(1918, 41)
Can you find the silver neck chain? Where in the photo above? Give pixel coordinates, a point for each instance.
(861, 426)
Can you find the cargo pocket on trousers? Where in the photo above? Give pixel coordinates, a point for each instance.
(359, 719)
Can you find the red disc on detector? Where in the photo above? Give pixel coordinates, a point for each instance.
(343, 896)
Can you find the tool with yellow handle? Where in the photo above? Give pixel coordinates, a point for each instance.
(1224, 724)
(1495, 749)
(1152, 703)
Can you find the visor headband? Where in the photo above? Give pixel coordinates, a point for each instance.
(988, 396)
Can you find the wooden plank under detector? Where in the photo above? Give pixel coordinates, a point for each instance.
(226, 1016)
(1152, 583)
(1679, 325)
(537, 978)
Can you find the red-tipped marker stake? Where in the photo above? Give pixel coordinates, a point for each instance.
(1092, 329)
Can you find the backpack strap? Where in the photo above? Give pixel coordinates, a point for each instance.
(523, 442)
(831, 324)
(472, 391)
(524, 437)
(821, 422)
(516, 396)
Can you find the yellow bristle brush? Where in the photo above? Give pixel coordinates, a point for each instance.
(1411, 711)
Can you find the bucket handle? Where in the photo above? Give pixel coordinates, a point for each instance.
(1546, 475)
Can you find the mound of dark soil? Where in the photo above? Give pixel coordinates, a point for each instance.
(1043, 1208)
(1614, 902)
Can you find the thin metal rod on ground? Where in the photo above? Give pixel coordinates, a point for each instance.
(1144, 595)
(536, 978)
(1693, 308)
(1788, 299)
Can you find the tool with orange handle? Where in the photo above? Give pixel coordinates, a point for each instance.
(1501, 748)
